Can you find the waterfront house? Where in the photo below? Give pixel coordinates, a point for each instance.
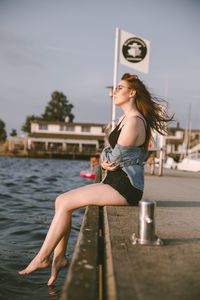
(74, 139)
(174, 141)
(179, 142)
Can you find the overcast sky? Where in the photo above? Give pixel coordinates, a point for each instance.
(68, 45)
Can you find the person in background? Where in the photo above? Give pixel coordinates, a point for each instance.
(94, 161)
(151, 162)
(123, 161)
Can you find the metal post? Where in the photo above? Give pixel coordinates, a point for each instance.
(162, 145)
(116, 58)
(110, 93)
(146, 226)
(160, 172)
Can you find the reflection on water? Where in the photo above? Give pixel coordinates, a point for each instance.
(28, 188)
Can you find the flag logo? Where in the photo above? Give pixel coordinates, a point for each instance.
(134, 50)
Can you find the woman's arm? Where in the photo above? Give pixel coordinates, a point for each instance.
(109, 158)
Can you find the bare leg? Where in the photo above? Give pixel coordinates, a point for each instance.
(57, 230)
(59, 258)
(94, 194)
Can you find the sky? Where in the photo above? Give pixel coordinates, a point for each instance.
(68, 46)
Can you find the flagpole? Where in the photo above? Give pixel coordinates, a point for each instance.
(116, 59)
(162, 138)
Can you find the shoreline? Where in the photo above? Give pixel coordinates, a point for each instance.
(49, 155)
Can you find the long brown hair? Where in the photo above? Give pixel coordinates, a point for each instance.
(151, 108)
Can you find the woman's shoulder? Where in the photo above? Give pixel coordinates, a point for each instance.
(135, 120)
(133, 132)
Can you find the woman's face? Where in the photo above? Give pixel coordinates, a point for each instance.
(122, 93)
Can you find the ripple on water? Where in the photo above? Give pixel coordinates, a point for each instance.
(4, 196)
(31, 180)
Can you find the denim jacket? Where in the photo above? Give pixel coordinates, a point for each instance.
(130, 159)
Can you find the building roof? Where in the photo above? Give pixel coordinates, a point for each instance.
(68, 123)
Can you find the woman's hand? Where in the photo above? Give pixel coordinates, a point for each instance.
(109, 166)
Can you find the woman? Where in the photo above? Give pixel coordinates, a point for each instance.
(123, 162)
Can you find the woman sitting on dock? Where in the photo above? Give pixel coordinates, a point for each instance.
(123, 161)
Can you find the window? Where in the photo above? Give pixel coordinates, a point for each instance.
(72, 148)
(38, 146)
(70, 128)
(43, 127)
(55, 147)
(62, 127)
(67, 128)
(85, 129)
(87, 148)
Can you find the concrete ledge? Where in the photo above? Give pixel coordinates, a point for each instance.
(155, 272)
(110, 289)
(82, 277)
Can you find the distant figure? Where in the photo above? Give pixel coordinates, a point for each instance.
(123, 161)
(151, 163)
(94, 161)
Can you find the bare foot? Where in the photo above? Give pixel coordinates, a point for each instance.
(34, 265)
(57, 264)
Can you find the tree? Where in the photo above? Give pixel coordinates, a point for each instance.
(58, 108)
(13, 133)
(3, 134)
(26, 127)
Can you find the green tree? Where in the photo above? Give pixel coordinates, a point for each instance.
(26, 127)
(58, 108)
(13, 133)
(3, 134)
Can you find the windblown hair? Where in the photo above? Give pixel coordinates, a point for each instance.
(152, 108)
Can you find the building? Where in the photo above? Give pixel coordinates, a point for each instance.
(180, 142)
(174, 141)
(74, 139)
(177, 143)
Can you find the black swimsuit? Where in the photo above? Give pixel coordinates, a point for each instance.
(118, 179)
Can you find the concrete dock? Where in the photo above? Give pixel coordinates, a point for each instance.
(108, 266)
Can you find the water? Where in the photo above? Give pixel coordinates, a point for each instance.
(28, 188)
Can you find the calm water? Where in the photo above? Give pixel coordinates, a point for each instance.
(28, 188)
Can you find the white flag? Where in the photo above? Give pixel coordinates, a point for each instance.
(134, 51)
